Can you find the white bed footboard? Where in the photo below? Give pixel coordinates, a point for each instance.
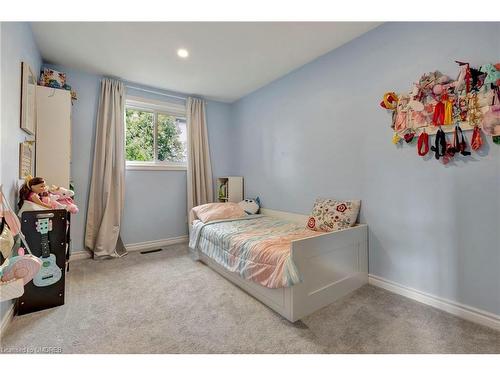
(331, 265)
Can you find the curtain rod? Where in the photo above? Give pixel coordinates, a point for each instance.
(155, 92)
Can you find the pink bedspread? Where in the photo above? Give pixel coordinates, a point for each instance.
(257, 248)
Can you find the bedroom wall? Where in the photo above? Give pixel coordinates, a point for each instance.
(17, 45)
(159, 196)
(319, 131)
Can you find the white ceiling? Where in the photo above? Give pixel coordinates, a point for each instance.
(227, 60)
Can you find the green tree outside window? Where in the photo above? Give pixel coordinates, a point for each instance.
(140, 137)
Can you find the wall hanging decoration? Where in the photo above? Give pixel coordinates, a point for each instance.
(26, 159)
(438, 105)
(28, 97)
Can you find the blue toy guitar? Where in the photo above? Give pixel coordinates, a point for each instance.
(49, 273)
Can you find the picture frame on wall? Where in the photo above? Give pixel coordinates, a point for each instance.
(28, 99)
(26, 159)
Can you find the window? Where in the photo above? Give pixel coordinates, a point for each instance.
(155, 135)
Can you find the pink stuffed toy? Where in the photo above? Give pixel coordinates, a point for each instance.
(64, 198)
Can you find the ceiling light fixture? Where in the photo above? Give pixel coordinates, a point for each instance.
(181, 52)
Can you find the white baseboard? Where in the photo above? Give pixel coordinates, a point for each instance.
(156, 244)
(463, 311)
(7, 319)
(140, 246)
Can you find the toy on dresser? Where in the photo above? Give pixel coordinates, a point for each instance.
(36, 195)
(65, 198)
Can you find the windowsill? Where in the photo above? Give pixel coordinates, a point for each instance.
(154, 167)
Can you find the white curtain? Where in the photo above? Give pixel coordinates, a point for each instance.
(199, 174)
(107, 189)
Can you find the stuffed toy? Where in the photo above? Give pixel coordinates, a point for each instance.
(64, 193)
(491, 121)
(250, 206)
(492, 74)
(64, 197)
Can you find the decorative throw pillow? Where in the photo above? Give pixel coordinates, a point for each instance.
(250, 206)
(329, 215)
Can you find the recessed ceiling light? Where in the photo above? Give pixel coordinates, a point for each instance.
(181, 52)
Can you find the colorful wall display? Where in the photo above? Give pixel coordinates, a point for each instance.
(437, 105)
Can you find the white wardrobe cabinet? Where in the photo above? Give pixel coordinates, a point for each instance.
(53, 135)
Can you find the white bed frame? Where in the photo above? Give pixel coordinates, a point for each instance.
(331, 265)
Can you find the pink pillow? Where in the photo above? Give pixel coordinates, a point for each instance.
(218, 211)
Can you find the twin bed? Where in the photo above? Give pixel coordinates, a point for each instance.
(273, 257)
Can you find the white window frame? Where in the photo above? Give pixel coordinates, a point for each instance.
(157, 107)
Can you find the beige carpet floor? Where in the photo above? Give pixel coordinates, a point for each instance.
(165, 303)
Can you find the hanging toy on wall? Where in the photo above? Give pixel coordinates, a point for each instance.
(490, 122)
(464, 77)
(492, 74)
(390, 101)
(423, 143)
(401, 118)
(396, 138)
(459, 144)
(476, 141)
(438, 117)
(409, 137)
(474, 114)
(439, 147)
(448, 111)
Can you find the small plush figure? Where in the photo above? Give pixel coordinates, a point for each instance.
(493, 75)
(59, 190)
(250, 206)
(64, 197)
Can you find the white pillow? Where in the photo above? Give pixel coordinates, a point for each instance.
(218, 211)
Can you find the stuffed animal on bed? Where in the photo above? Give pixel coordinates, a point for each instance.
(250, 206)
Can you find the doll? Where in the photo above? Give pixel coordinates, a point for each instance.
(36, 191)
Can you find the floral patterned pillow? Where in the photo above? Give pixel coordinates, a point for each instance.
(329, 215)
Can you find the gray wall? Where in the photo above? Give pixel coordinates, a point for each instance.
(155, 206)
(17, 45)
(319, 131)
